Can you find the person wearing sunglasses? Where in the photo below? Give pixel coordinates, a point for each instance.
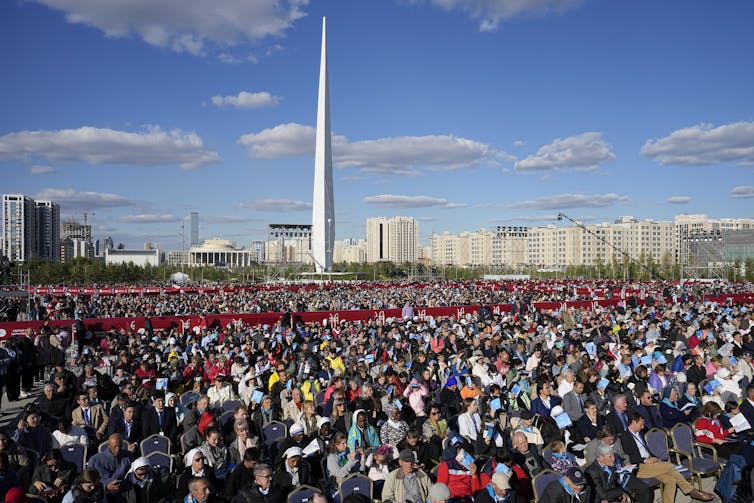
(53, 476)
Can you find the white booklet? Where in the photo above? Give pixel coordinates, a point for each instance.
(740, 423)
(312, 448)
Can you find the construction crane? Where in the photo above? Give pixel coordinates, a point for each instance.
(87, 214)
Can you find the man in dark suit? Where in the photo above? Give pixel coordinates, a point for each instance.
(638, 452)
(617, 418)
(649, 411)
(609, 483)
(160, 420)
(747, 406)
(127, 425)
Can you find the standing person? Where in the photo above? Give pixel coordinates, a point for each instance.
(5, 361)
(12, 376)
(27, 363)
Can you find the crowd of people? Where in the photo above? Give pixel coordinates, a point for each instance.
(450, 409)
(342, 297)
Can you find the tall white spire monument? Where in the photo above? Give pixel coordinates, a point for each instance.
(323, 208)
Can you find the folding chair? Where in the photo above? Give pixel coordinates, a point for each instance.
(542, 480)
(356, 483)
(547, 455)
(303, 494)
(188, 397)
(230, 405)
(154, 443)
(225, 417)
(161, 461)
(74, 453)
(273, 431)
(700, 463)
(657, 441)
(319, 398)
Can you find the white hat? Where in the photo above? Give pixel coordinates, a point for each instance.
(321, 421)
(138, 463)
(501, 480)
(291, 452)
(296, 429)
(723, 373)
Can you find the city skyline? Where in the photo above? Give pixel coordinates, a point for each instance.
(462, 119)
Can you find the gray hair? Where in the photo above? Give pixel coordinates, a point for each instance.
(618, 397)
(604, 449)
(567, 372)
(261, 468)
(366, 387)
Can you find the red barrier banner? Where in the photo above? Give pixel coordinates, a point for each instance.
(329, 318)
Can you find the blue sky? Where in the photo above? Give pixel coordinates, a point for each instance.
(462, 114)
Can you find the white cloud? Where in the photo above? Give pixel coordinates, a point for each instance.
(540, 218)
(519, 143)
(192, 26)
(147, 218)
(245, 99)
(742, 192)
(283, 140)
(74, 199)
(564, 201)
(153, 147)
(42, 170)
(275, 205)
(583, 152)
(393, 155)
(704, 145)
(226, 219)
(398, 201)
(678, 200)
(490, 13)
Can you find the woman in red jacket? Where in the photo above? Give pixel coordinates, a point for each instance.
(464, 482)
(709, 430)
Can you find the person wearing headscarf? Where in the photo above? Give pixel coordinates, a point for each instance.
(669, 411)
(362, 434)
(143, 485)
(265, 414)
(292, 472)
(196, 468)
(394, 429)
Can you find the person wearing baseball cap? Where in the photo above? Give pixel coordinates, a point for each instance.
(407, 482)
(498, 490)
(566, 489)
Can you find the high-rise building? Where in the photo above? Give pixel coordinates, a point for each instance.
(323, 206)
(392, 240)
(48, 230)
(76, 241)
(19, 238)
(194, 228)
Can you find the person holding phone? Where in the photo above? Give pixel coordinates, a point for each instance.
(112, 464)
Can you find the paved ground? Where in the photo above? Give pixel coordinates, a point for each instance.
(12, 410)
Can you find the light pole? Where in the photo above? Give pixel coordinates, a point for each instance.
(652, 273)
